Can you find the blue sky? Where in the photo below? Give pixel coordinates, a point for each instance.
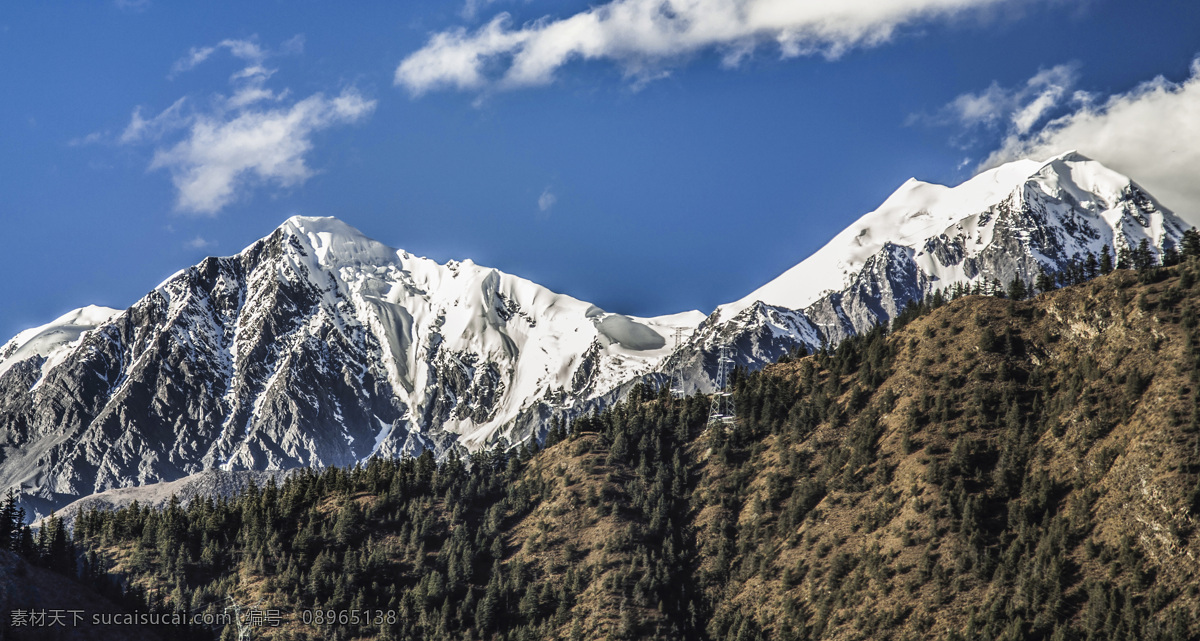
(646, 168)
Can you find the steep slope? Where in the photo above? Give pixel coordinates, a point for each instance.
(315, 346)
(992, 470)
(995, 470)
(1009, 222)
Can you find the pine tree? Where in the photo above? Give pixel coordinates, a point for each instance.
(1124, 258)
(1191, 243)
(1045, 282)
(1170, 256)
(1143, 257)
(10, 528)
(1106, 264)
(349, 523)
(41, 545)
(26, 547)
(1017, 289)
(489, 605)
(61, 554)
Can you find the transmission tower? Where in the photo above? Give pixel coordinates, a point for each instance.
(721, 412)
(676, 382)
(241, 618)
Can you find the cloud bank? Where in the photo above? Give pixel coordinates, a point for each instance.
(1018, 109)
(1151, 133)
(223, 153)
(254, 135)
(646, 36)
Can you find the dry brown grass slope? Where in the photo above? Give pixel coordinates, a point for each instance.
(1026, 461)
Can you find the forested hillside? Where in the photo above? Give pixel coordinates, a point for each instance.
(990, 469)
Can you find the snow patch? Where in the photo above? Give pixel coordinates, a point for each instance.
(629, 333)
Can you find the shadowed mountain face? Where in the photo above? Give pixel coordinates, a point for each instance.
(317, 346)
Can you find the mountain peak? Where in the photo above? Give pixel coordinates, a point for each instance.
(335, 242)
(919, 213)
(320, 224)
(1070, 156)
(53, 337)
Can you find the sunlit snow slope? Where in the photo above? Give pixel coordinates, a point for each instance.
(512, 340)
(1059, 209)
(53, 340)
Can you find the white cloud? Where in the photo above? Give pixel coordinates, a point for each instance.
(644, 36)
(1017, 109)
(223, 153)
(140, 129)
(253, 73)
(246, 50)
(292, 46)
(472, 7)
(546, 200)
(252, 136)
(1151, 133)
(199, 242)
(249, 89)
(90, 139)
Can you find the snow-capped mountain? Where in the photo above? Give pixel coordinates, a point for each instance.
(1011, 221)
(314, 346)
(319, 346)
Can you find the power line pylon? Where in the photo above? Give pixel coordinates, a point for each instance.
(721, 411)
(241, 618)
(676, 382)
